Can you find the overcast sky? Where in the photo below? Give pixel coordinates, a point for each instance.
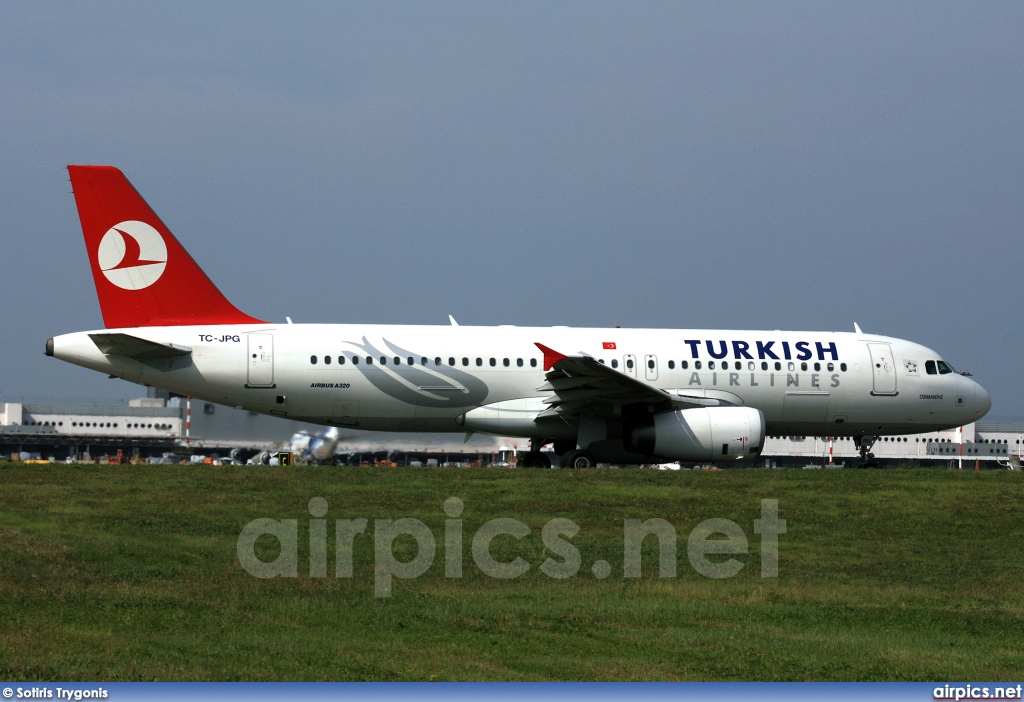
(723, 165)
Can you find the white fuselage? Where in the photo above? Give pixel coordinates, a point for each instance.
(426, 378)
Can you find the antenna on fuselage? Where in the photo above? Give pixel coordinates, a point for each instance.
(452, 320)
(856, 328)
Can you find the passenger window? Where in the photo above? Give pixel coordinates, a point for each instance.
(451, 361)
(671, 365)
(355, 360)
(369, 360)
(479, 361)
(465, 361)
(817, 366)
(750, 366)
(650, 364)
(327, 360)
(831, 367)
(764, 365)
(684, 364)
(778, 365)
(842, 367)
(803, 366)
(312, 359)
(519, 362)
(341, 360)
(725, 365)
(504, 362)
(398, 361)
(437, 360)
(615, 363)
(423, 361)
(929, 367)
(383, 360)
(493, 362)
(696, 364)
(711, 365)
(943, 367)
(533, 362)
(629, 363)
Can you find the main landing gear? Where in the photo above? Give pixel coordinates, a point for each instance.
(579, 459)
(866, 457)
(571, 456)
(534, 458)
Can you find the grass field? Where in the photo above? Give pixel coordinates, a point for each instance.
(131, 573)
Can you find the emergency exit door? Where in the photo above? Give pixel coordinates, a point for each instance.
(651, 367)
(261, 361)
(629, 361)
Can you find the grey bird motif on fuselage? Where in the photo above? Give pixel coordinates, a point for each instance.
(425, 386)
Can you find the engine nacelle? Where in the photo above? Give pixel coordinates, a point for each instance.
(700, 434)
(321, 446)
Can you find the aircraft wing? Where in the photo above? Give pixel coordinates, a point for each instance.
(581, 384)
(134, 347)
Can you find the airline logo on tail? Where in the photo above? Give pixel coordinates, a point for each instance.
(132, 255)
(129, 260)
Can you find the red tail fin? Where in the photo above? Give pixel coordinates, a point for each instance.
(143, 276)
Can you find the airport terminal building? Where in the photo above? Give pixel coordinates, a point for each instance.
(981, 444)
(152, 426)
(158, 424)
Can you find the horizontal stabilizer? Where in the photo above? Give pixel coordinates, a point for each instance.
(134, 347)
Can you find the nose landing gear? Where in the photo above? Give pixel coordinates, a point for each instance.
(866, 457)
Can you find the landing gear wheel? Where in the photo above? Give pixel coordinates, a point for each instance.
(579, 459)
(535, 460)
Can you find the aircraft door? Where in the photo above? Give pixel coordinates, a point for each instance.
(651, 367)
(629, 364)
(261, 361)
(883, 369)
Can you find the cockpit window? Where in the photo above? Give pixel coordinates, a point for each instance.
(944, 368)
(929, 367)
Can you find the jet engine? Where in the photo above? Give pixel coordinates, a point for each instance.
(315, 448)
(699, 434)
(321, 446)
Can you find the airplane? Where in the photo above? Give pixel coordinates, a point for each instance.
(610, 395)
(315, 448)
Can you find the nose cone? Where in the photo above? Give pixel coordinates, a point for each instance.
(982, 401)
